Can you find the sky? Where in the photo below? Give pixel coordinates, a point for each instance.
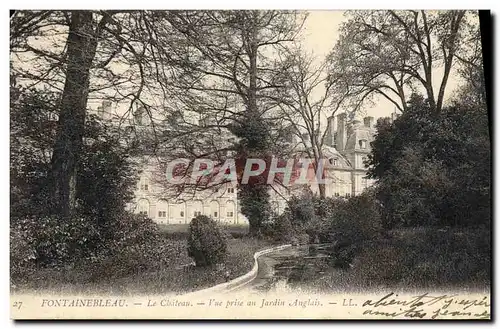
(321, 31)
(319, 35)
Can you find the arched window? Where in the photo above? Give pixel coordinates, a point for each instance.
(214, 209)
(143, 207)
(230, 211)
(181, 211)
(197, 208)
(162, 212)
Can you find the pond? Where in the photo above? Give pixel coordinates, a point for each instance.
(292, 265)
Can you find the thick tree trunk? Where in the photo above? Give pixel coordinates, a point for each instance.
(256, 143)
(81, 50)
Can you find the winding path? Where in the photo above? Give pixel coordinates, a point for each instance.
(266, 276)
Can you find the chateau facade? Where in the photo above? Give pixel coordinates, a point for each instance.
(346, 149)
(347, 144)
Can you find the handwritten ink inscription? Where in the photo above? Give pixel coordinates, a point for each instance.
(427, 306)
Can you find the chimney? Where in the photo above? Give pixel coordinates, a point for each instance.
(368, 122)
(341, 131)
(331, 131)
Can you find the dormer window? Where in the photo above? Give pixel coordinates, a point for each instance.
(362, 144)
(334, 162)
(144, 186)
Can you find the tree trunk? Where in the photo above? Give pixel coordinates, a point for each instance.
(81, 50)
(322, 191)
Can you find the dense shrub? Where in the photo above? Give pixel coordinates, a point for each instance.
(51, 241)
(281, 229)
(427, 258)
(353, 222)
(303, 238)
(124, 245)
(301, 210)
(207, 243)
(106, 174)
(433, 168)
(358, 218)
(255, 205)
(310, 219)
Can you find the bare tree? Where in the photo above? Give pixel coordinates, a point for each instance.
(392, 53)
(309, 99)
(224, 69)
(470, 60)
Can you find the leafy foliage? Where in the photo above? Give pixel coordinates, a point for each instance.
(427, 258)
(123, 245)
(106, 174)
(433, 167)
(207, 243)
(32, 130)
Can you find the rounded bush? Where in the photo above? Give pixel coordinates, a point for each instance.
(207, 242)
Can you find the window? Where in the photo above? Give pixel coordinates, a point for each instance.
(162, 214)
(347, 195)
(182, 213)
(230, 190)
(337, 194)
(334, 161)
(144, 184)
(215, 214)
(229, 214)
(362, 144)
(197, 213)
(143, 207)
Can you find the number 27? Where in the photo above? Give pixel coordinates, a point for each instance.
(18, 305)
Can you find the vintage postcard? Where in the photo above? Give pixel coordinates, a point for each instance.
(249, 164)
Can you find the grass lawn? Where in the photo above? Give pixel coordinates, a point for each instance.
(174, 279)
(180, 231)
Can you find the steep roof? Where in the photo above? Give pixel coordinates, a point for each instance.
(357, 134)
(331, 152)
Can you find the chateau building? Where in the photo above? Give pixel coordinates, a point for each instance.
(347, 146)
